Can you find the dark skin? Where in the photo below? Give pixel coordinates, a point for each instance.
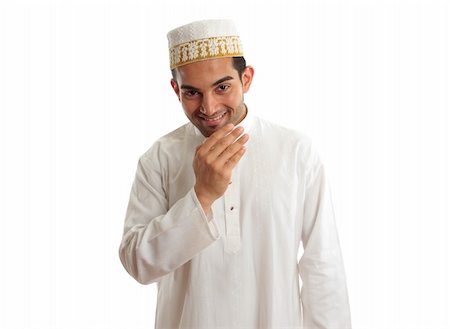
(211, 93)
(214, 162)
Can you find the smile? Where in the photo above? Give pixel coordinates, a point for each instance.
(214, 118)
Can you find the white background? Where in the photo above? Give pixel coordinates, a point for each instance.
(84, 91)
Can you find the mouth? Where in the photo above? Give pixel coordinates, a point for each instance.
(213, 120)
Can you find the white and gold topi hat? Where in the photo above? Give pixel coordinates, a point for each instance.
(202, 40)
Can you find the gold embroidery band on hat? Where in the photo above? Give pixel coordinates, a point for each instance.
(202, 49)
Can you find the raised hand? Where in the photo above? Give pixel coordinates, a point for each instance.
(214, 161)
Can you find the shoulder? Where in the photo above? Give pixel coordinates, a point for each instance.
(284, 137)
(287, 144)
(170, 146)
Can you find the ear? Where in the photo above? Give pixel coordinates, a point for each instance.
(175, 87)
(247, 77)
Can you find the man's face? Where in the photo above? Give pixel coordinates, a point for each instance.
(212, 93)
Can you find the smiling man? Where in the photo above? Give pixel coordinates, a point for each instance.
(210, 104)
(229, 211)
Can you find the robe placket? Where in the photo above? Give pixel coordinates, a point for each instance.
(232, 206)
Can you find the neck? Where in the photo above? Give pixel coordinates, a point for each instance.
(243, 117)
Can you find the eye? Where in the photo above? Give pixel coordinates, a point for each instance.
(190, 93)
(223, 88)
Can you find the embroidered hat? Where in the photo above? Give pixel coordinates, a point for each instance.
(202, 40)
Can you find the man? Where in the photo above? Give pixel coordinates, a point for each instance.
(220, 207)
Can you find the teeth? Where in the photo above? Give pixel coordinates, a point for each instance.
(215, 118)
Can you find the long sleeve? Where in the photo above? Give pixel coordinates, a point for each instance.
(248, 275)
(156, 239)
(324, 291)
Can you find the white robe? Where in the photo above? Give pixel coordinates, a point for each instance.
(240, 268)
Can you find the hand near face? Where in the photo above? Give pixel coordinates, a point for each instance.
(214, 162)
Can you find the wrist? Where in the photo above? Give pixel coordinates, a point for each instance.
(204, 201)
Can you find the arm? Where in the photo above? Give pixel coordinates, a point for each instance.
(324, 291)
(157, 240)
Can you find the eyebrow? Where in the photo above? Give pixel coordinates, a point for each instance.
(213, 85)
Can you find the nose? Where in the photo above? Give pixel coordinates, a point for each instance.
(209, 105)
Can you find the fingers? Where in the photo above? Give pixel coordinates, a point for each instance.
(231, 162)
(222, 144)
(232, 149)
(222, 132)
(215, 159)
